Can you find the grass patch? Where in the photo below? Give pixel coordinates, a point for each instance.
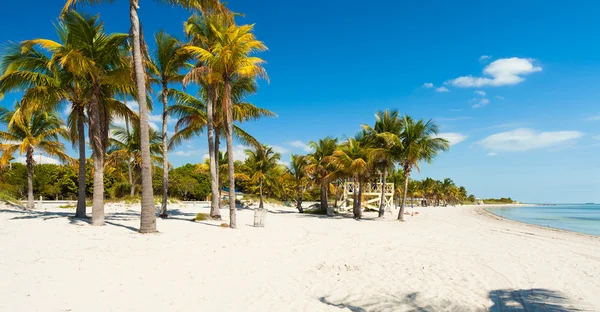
(202, 217)
(67, 206)
(371, 210)
(8, 198)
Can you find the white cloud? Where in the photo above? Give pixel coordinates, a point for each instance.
(38, 159)
(133, 105)
(480, 92)
(499, 97)
(507, 71)
(280, 149)
(596, 137)
(492, 154)
(524, 139)
(239, 152)
(188, 153)
(428, 85)
(442, 89)
(452, 137)
(481, 103)
(301, 145)
(484, 58)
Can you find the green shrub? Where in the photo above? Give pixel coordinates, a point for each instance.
(202, 217)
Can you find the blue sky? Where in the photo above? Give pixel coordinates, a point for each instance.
(513, 84)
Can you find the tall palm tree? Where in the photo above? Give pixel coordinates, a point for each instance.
(419, 143)
(299, 175)
(321, 167)
(29, 130)
(97, 57)
(261, 160)
(27, 69)
(148, 217)
(352, 156)
(230, 56)
(385, 140)
(165, 68)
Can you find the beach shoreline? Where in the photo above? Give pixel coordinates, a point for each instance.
(459, 258)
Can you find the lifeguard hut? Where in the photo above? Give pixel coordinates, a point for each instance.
(371, 194)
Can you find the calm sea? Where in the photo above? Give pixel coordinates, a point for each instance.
(572, 217)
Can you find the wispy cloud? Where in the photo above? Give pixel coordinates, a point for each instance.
(459, 118)
(525, 139)
(301, 145)
(596, 137)
(492, 154)
(280, 149)
(188, 153)
(481, 103)
(480, 92)
(442, 89)
(484, 58)
(593, 118)
(428, 85)
(501, 72)
(452, 137)
(499, 97)
(39, 159)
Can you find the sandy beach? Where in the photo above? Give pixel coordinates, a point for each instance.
(443, 259)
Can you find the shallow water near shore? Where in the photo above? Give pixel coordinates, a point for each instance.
(582, 218)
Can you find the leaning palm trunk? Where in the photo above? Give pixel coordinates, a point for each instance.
(382, 199)
(299, 199)
(30, 204)
(148, 218)
(406, 175)
(165, 153)
(230, 161)
(358, 214)
(80, 212)
(215, 212)
(97, 156)
(324, 204)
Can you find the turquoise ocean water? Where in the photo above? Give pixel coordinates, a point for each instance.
(572, 217)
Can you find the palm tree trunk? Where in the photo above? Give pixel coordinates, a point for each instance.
(355, 205)
(382, 199)
(165, 152)
(260, 204)
(324, 204)
(359, 206)
(299, 199)
(30, 204)
(80, 212)
(129, 173)
(406, 176)
(228, 110)
(215, 211)
(218, 163)
(97, 156)
(148, 218)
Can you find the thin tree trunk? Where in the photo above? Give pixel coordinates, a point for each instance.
(382, 199)
(30, 161)
(299, 199)
(355, 204)
(406, 176)
(215, 200)
(81, 209)
(165, 152)
(260, 204)
(218, 162)
(324, 204)
(129, 173)
(98, 156)
(148, 215)
(228, 110)
(359, 206)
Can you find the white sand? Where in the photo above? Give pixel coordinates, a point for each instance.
(444, 259)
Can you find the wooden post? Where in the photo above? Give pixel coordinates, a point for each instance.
(260, 214)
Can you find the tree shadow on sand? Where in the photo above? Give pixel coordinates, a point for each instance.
(504, 300)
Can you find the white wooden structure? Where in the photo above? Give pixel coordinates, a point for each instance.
(371, 195)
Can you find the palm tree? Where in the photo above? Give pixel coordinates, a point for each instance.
(230, 56)
(28, 130)
(297, 171)
(168, 60)
(419, 143)
(29, 70)
(321, 167)
(97, 57)
(385, 138)
(148, 217)
(125, 147)
(353, 159)
(261, 161)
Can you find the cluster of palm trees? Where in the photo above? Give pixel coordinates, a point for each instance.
(95, 73)
(395, 144)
